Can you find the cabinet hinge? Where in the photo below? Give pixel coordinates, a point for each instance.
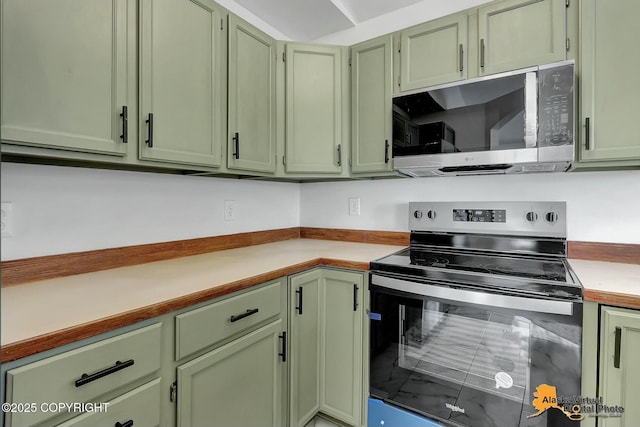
(284, 57)
(566, 3)
(173, 392)
(399, 46)
(349, 62)
(284, 160)
(398, 81)
(221, 24)
(568, 44)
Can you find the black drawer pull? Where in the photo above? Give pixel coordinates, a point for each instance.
(125, 424)
(247, 313)
(86, 378)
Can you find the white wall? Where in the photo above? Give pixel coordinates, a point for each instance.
(418, 13)
(59, 209)
(602, 206)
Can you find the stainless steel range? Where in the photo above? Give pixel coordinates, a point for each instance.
(476, 314)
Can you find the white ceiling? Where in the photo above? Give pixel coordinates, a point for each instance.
(306, 20)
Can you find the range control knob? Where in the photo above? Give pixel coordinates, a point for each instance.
(531, 216)
(417, 214)
(551, 217)
(431, 214)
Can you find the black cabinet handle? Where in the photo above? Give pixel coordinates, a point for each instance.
(236, 139)
(124, 424)
(241, 316)
(355, 297)
(616, 349)
(299, 306)
(150, 121)
(87, 378)
(125, 124)
(339, 154)
(587, 131)
(283, 337)
(461, 51)
(482, 53)
(386, 151)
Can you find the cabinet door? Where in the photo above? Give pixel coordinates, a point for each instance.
(619, 370)
(371, 87)
(313, 109)
(434, 52)
(609, 63)
(252, 132)
(305, 346)
(64, 74)
(342, 353)
(180, 81)
(239, 384)
(515, 34)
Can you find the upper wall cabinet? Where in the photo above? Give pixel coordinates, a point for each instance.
(433, 52)
(251, 135)
(609, 63)
(515, 34)
(371, 87)
(313, 109)
(65, 80)
(181, 79)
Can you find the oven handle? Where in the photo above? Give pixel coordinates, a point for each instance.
(475, 297)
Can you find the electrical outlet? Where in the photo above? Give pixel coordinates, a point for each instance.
(354, 206)
(7, 219)
(229, 210)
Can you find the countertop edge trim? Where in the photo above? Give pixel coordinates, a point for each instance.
(612, 298)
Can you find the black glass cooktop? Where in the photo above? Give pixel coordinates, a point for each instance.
(522, 274)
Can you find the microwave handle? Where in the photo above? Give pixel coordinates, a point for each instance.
(538, 305)
(531, 110)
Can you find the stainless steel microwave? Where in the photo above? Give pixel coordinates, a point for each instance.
(516, 122)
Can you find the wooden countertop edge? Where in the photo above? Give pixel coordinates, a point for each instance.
(20, 349)
(612, 298)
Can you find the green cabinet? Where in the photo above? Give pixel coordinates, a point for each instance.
(434, 52)
(313, 109)
(515, 34)
(181, 82)
(619, 371)
(305, 344)
(326, 321)
(371, 88)
(239, 384)
(341, 357)
(251, 135)
(65, 74)
(609, 61)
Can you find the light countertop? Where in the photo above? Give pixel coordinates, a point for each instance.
(44, 314)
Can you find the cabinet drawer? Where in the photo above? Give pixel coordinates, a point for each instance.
(83, 374)
(203, 327)
(139, 407)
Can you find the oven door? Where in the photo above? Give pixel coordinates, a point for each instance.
(468, 357)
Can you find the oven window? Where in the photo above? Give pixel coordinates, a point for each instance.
(471, 365)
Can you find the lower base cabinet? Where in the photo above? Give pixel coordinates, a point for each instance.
(239, 384)
(619, 368)
(326, 372)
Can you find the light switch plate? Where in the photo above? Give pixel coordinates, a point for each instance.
(7, 219)
(354, 206)
(229, 210)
